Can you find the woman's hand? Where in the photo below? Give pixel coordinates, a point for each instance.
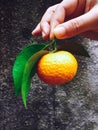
(70, 18)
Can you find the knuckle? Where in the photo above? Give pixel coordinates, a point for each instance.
(73, 28)
(50, 9)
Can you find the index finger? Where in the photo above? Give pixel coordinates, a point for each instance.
(64, 9)
(43, 26)
(45, 21)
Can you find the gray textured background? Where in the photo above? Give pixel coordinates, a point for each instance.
(73, 106)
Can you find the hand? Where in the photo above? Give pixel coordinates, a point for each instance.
(70, 18)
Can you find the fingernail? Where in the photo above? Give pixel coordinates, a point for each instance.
(33, 32)
(43, 35)
(59, 32)
(51, 36)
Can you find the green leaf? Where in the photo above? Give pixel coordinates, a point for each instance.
(20, 62)
(73, 47)
(30, 66)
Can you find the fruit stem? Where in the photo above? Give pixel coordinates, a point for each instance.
(53, 42)
(55, 46)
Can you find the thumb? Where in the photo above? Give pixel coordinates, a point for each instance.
(73, 27)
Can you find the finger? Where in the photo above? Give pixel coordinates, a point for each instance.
(44, 26)
(45, 21)
(77, 25)
(37, 30)
(57, 18)
(63, 10)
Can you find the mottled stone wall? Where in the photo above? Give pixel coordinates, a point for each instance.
(73, 106)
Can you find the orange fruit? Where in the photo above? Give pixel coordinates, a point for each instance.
(57, 68)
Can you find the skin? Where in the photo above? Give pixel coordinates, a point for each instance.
(69, 18)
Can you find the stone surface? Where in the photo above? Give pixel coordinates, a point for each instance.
(72, 106)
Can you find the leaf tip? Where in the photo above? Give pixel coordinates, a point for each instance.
(25, 104)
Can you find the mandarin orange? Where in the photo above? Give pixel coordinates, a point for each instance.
(57, 68)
